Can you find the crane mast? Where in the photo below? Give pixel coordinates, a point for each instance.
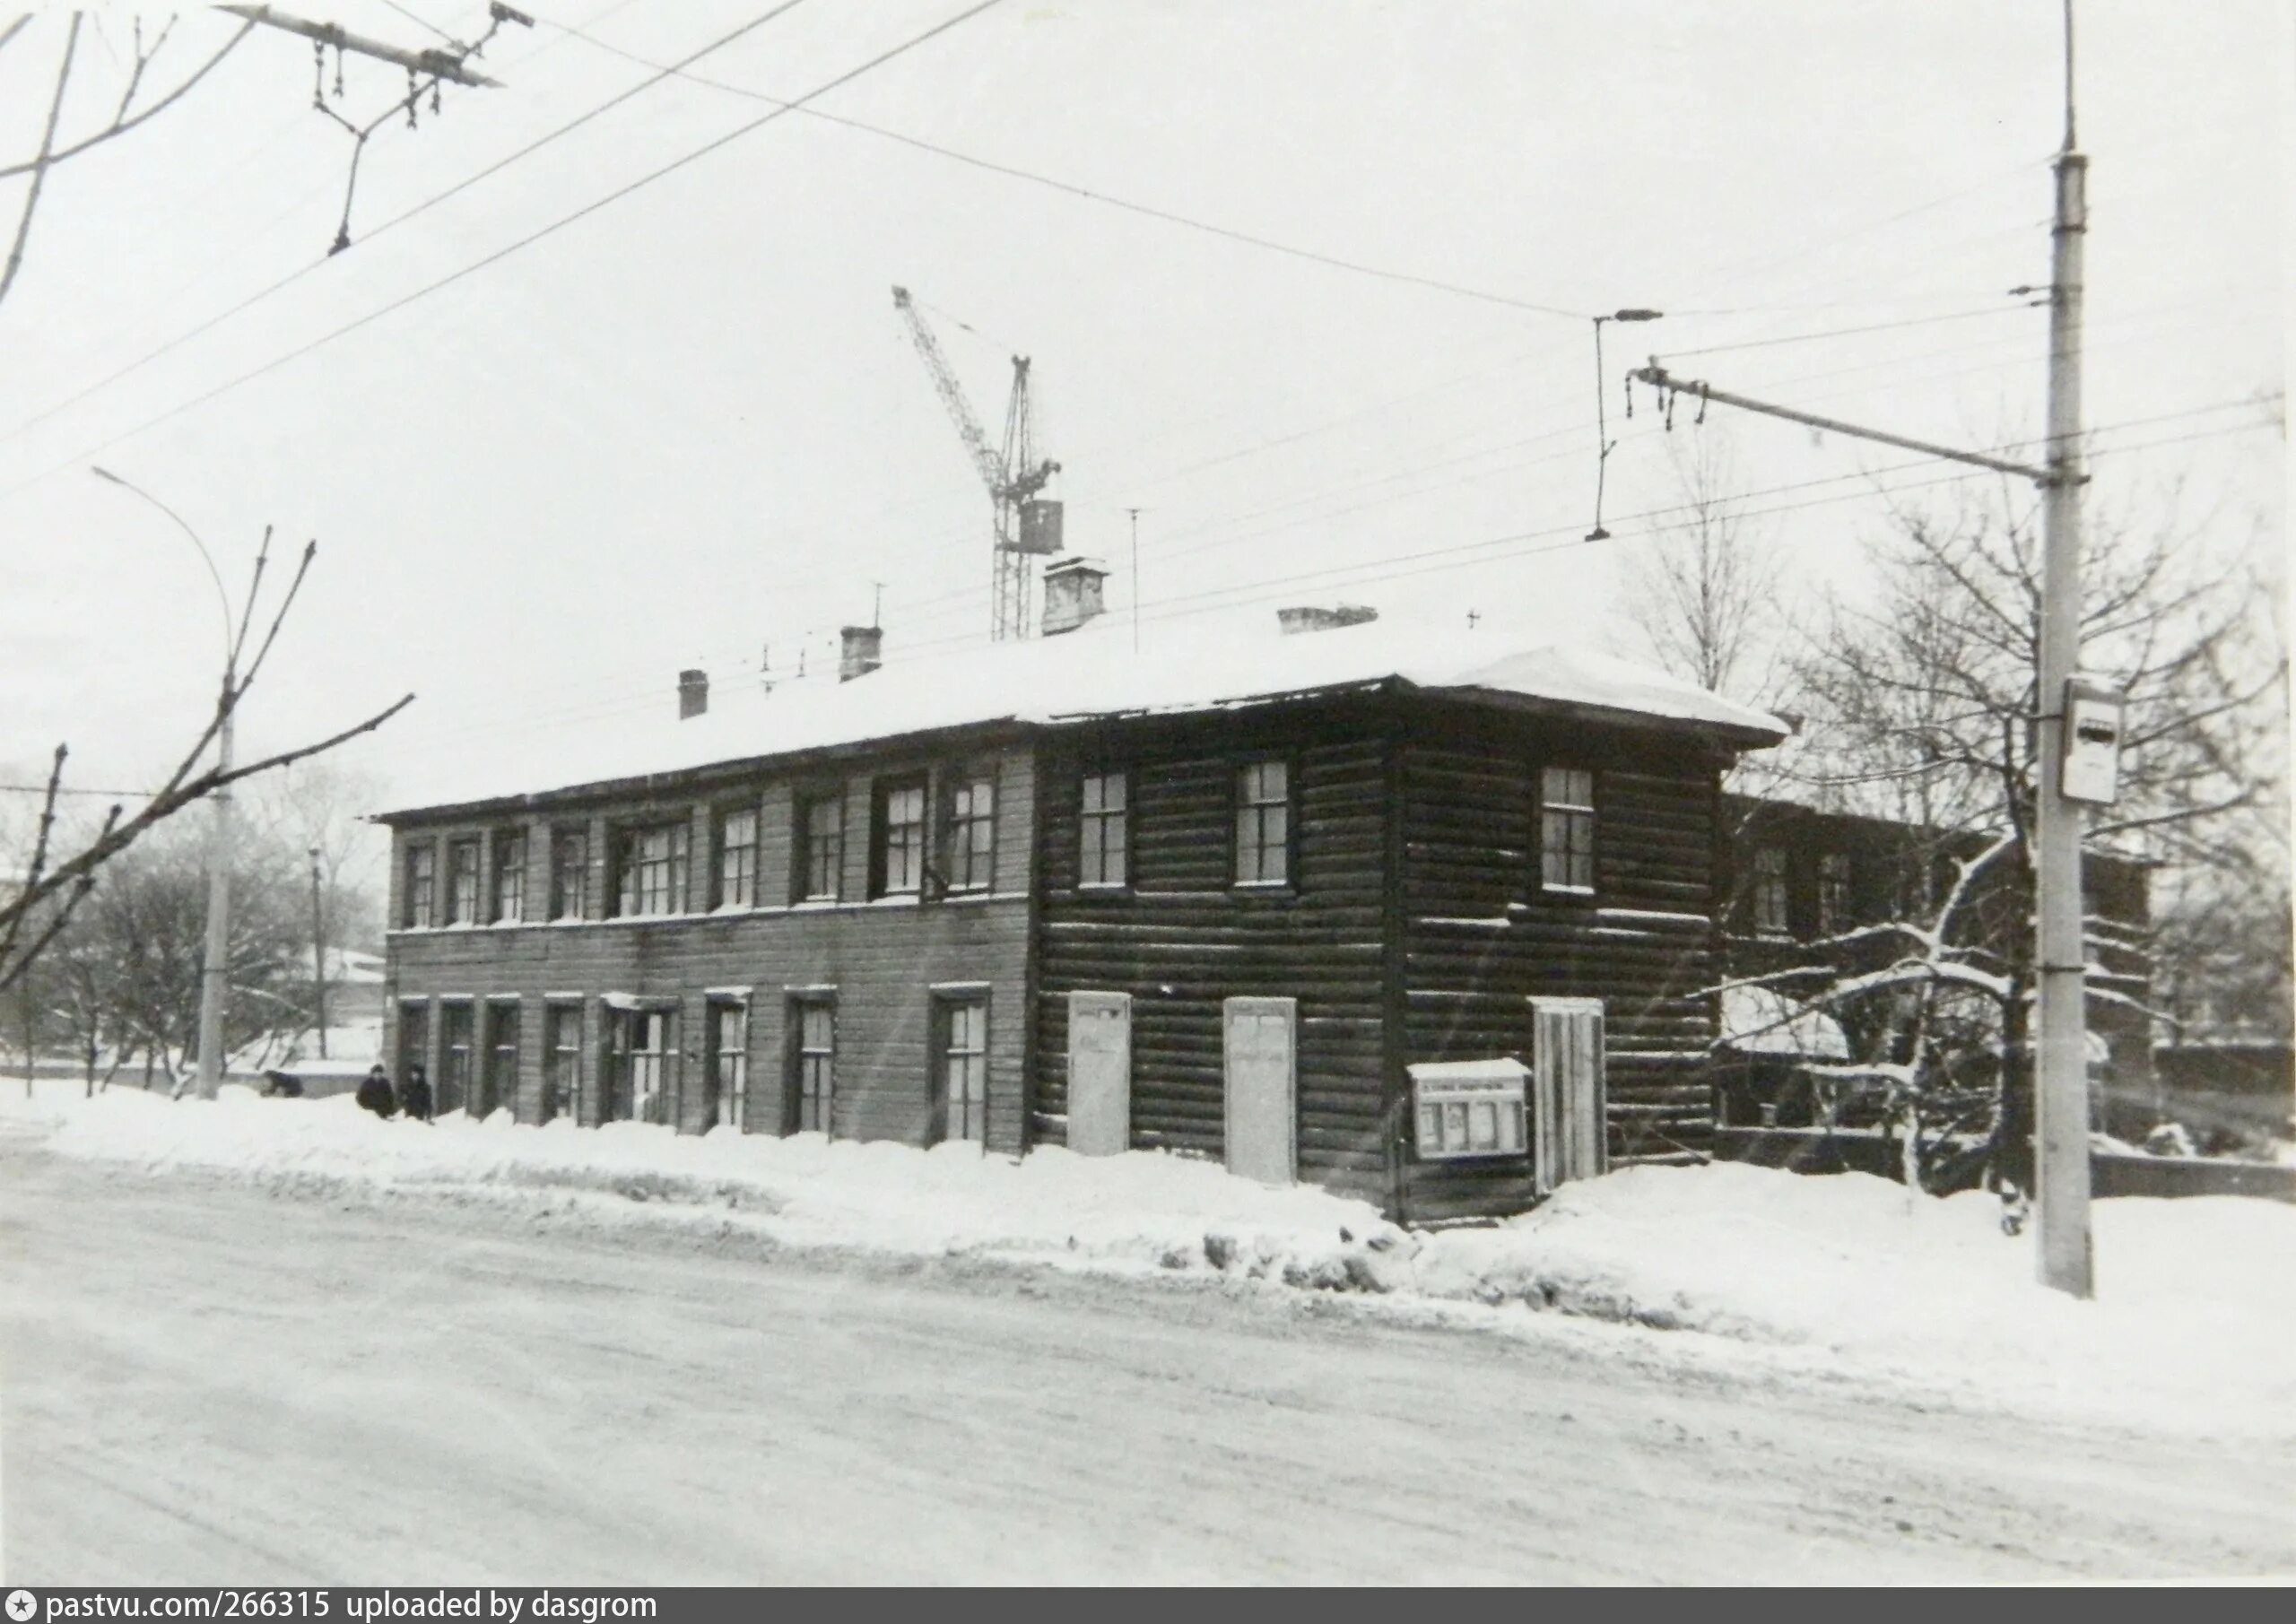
(1024, 524)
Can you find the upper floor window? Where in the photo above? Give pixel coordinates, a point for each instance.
(1833, 893)
(1101, 840)
(896, 838)
(421, 886)
(821, 845)
(737, 858)
(1264, 824)
(509, 876)
(650, 865)
(970, 845)
(570, 874)
(1770, 892)
(1567, 829)
(462, 882)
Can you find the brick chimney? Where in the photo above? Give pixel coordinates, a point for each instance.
(1072, 593)
(1317, 618)
(862, 652)
(694, 694)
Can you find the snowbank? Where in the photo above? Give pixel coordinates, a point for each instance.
(2192, 1327)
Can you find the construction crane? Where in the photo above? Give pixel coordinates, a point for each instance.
(1026, 524)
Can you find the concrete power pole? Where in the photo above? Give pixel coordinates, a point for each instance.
(2061, 1066)
(2061, 1071)
(319, 953)
(215, 964)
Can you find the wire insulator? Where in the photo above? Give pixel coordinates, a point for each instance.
(1628, 384)
(338, 72)
(1701, 402)
(1670, 408)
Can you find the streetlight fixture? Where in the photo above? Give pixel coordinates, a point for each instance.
(215, 960)
(1603, 444)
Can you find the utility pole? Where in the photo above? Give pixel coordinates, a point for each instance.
(2061, 1072)
(214, 967)
(213, 970)
(318, 952)
(2061, 1062)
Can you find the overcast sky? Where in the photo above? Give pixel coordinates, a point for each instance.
(687, 426)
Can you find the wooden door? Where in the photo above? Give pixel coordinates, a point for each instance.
(1260, 1048)
(1569, 1099)
(1100, 1073)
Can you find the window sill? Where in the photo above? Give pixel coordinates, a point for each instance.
(1272, 890)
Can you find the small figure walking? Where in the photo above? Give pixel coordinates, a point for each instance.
(375, 1093)
(415, 1098)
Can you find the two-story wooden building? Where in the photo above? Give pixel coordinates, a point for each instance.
(1406, 916)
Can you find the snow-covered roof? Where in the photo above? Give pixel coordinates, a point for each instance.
(1091, 673)
(1762, 1021)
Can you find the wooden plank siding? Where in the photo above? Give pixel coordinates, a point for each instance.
(884, 958)
(1181, 937)
(1481, 936)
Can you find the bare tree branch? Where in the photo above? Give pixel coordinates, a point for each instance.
(120, 126)
(39, 165)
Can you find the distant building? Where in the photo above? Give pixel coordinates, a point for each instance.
(1241, 900)
(1795, 878)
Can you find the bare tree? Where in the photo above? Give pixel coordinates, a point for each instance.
(54, 885)
(1707, 593)
(1924, 705)
(54, 149)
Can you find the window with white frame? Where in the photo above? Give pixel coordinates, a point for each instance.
(969, 846)
(729, 1062)
(1263, 822)
(462, 881)
(421, 886)
(820, 847)
(736, 881)
(897, 840)
(561, 1076)
(570, 874)
(1567, 829)
(1103, 830)
(509, 876)
(964, 1069)
(650, 865)
(814, 1055)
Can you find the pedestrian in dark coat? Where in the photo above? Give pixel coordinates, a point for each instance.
(375, 1093)
(414, 1097)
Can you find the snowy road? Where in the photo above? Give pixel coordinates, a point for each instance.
(204, 1383)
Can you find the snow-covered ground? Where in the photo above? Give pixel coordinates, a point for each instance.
(2194, 1328)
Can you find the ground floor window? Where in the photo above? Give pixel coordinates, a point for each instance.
(729, 1065)
(813, 1058)
(561, 1062)
(639, 1075)
(963, 1053)
(498, 1088)
(455, 1036)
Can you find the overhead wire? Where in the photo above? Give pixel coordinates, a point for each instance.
(370, 233)
(1130, 205)
(516, 245)
(1565, 536)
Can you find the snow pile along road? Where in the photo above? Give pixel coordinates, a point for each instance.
(2194, 1325)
